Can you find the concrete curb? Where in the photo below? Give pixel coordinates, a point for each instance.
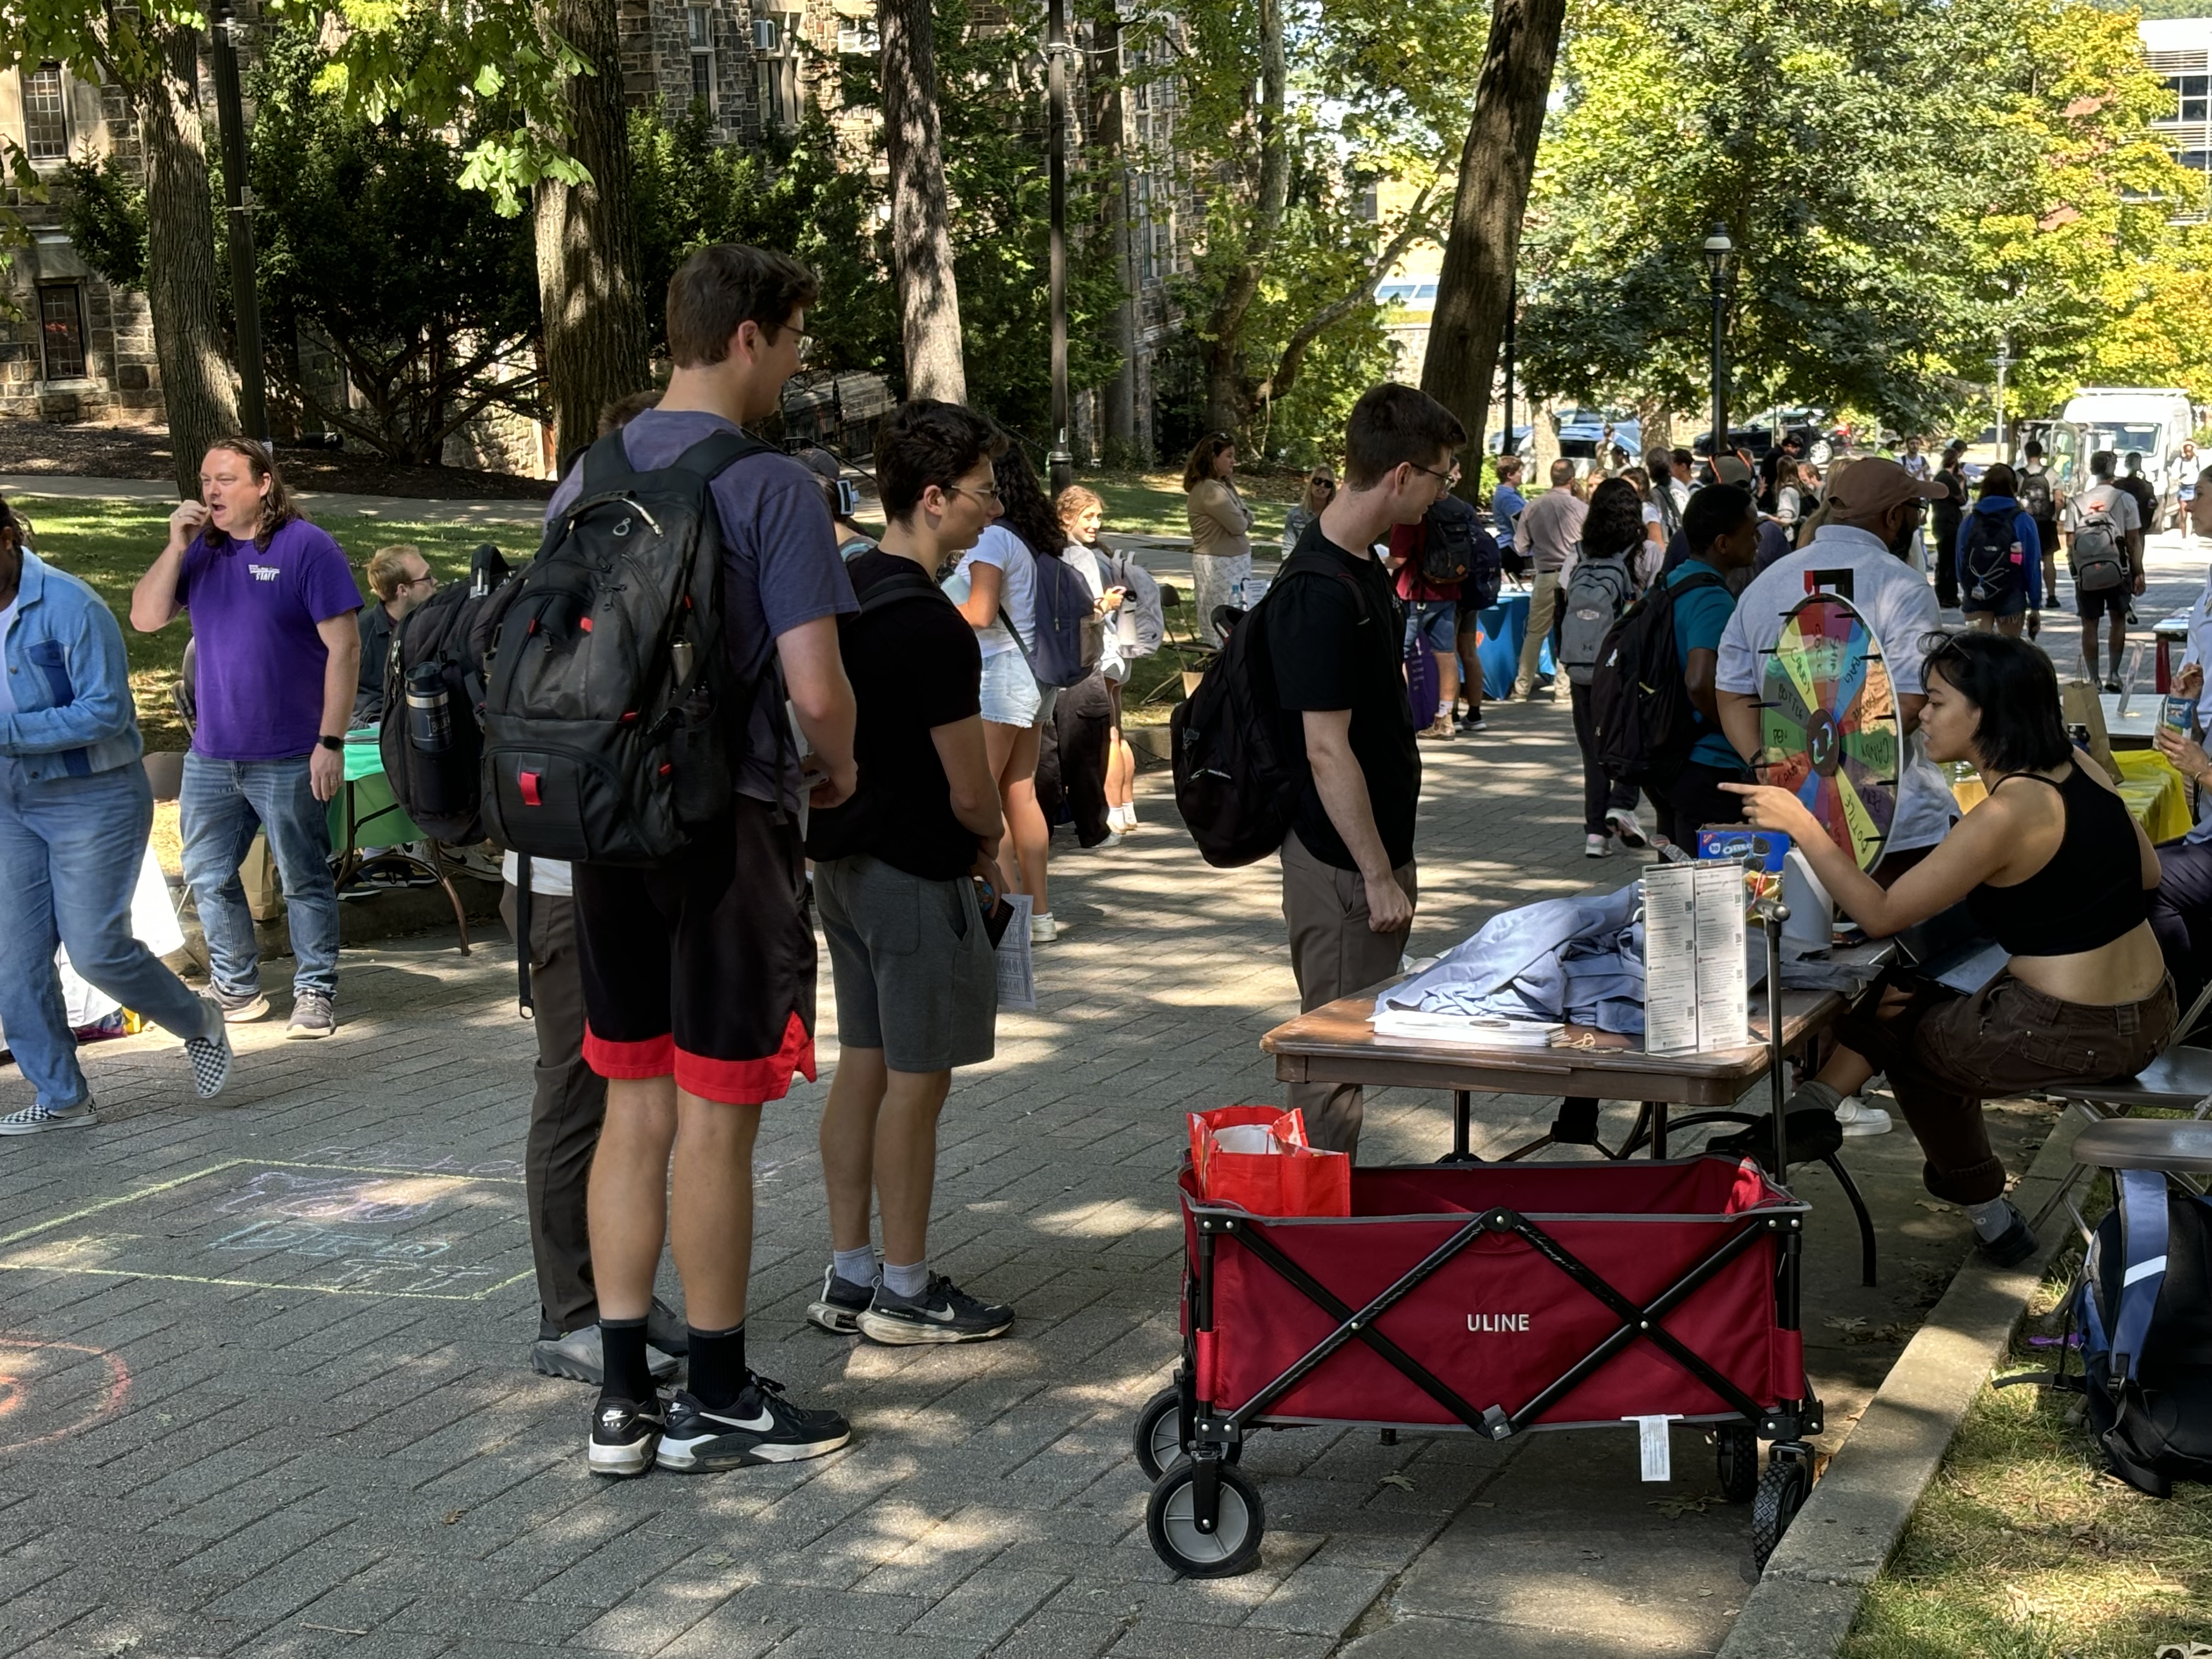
(1803, 1606)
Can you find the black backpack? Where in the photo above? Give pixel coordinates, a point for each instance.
(611, 711)
(2145, 1308)
(1479, 591)
(431, 739)
(2035, 497)
(1239, 771)
(1639, 702)
(1988, 573)
(1448, 543)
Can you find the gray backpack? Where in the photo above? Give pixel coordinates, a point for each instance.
(1597, 593)
(2099, 563)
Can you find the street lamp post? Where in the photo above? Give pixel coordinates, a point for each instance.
(2003, 363)
(1718, 249)
(1060, 463)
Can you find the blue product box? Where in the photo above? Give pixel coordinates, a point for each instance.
(1755, 849)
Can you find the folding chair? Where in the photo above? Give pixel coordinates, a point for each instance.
(2178, 1080)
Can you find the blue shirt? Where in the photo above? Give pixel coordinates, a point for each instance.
(1505, 505)
(1701, 616)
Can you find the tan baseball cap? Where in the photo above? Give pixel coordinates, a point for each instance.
(1873, 483)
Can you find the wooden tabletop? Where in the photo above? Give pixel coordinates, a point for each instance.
(1335, 1044)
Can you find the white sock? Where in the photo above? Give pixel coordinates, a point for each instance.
(911, 1280)
(854, 1266)
(1991, 1219)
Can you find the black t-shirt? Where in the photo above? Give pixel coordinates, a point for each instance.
(374, 624)
(1335, 645)
(914, 665)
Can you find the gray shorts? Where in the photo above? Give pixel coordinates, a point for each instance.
(915, 972)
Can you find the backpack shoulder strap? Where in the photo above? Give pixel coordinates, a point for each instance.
(899, 585)
(606, 465)
(2143, 1223)
(716, 453)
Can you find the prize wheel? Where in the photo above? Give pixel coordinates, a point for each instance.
(1828, 724)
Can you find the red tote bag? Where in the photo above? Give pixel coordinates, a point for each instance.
(1296, 1180)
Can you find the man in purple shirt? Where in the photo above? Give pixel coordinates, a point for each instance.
(276, 660)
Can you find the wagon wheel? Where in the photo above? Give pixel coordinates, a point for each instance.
(1172, 1523)
(1159, 1439)
(1737, 1448)
(1782, 1492)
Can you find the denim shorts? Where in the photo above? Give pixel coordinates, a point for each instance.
(1011, 693)
(1435, 621)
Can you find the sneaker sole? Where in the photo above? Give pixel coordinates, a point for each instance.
(1854, 1129)
(256, 1009)
(623, 1462)
(838, 1321)
(84, 1122)
(568, 1370)
(681, 1462)
(308, 1033)
(906, 1333)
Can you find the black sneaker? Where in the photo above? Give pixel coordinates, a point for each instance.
(762, 1427)
(1471, 722)
(2014, 1245)
(2112, 685)
(240, 1007)
(841, 1304)
(942, 1313)
(1811, 1133)
(625, 1436)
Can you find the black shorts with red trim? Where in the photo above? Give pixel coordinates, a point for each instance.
(702, 966)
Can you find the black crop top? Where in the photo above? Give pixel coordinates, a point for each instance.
(2089, 894)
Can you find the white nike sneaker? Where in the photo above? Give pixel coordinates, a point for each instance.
(762, 1427)
(1854, 1117)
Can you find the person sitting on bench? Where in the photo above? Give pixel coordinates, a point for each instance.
(2051, 866)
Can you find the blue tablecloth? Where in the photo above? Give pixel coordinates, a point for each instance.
(1503, 626)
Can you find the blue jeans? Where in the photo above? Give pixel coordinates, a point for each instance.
(70, 849)
(1435, 621)
(220, 806)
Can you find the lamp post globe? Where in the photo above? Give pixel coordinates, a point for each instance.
(1718, 251)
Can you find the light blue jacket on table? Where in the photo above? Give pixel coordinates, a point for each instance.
(70, 679)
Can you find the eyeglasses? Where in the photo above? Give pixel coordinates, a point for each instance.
(425, 580)
(989, 492)
(805, 341)
(1449, 477)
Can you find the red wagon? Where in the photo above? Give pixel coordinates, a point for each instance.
(1494, 1299)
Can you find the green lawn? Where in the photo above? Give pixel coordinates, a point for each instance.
(2024, 1549)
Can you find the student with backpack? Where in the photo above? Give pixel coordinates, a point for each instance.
(1434, 559)
(1944, 517)
(1330, 639)
(2104, 552)
(2038, 499)
(698, 962)
(1600, 585)
(2000, 557)
(895, 874)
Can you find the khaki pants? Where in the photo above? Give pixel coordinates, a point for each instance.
(1543, 607)
(1333, 953)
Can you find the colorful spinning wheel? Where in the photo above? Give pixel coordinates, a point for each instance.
(1828, 724)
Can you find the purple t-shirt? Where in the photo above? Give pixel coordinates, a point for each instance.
(258, 663)
(780, 566)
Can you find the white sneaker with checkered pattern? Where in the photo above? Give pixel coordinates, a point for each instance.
(209, 1053)
(33, 1119)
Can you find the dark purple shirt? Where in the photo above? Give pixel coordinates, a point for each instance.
(780, 566)
(258, 662)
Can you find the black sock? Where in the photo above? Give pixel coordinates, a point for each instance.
(718, 1366)
(622, 1346)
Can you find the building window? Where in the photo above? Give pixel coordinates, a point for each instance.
(2192, 90)
(699, 34)
(61, 328)
(858, 41)
(776, 42)
(45, 117)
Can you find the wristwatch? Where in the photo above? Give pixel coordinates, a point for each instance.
(335, 746)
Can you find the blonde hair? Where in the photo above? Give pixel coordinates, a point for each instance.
(387, 568)
(1072, 502)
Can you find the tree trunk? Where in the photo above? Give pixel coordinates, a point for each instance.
(596, 345)
(181, 281)
(921, 240)
(1655, 415)
(1112, 146)
(1476, 283)
(1228, 401)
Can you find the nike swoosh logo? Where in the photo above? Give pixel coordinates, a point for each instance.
(759, 1425)
(942, 1317)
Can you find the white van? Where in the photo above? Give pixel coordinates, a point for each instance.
(2150, 420)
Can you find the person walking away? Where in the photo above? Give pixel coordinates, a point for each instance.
(1944, 517)
(1220, 527)
(1661, 495)
(1476, 595)
(2000, 557)
(1507, 503)
(1000, 601)
(2055, 868)
(1321, 487)
(1723, 526)
(896, 869)
(1431, 617)
(1876, 508)
(1546, 535)
(278, 657)
(2038, 499)
(1349, 882)
(1081, 513)
(2103, 553)
(1600, 584)
(399, 579)
(2186, 468)
(76, 809)
(698, 971)
(2146, 495)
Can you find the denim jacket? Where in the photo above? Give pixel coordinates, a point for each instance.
(70, 678)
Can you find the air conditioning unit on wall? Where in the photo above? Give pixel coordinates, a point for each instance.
(766, 35)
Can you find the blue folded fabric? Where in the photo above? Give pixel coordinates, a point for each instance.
(1579, 960)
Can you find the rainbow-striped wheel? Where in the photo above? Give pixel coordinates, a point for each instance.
(1828, 724)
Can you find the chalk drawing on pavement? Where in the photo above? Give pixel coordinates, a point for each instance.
(50, 1390)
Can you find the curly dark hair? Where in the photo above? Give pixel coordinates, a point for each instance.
(1615, 523)
(1026, 511)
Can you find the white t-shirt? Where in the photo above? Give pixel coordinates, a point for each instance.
(1900, 608)
(7, 689)
(2118, 505)
(1000, 546)
(547, 876)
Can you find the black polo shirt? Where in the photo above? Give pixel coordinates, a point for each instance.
(1337, 644)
